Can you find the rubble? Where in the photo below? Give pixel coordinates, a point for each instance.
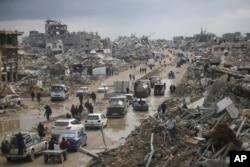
(212, 118)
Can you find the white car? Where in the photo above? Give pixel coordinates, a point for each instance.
(61, 125)
(103, 88)
(96, 120)
(84, 91)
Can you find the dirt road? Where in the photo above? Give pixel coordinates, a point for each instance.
(117, 129)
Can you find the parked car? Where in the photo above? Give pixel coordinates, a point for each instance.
(96, 120)
(62, 125)
(32, 144)
(10, 100)
(140, 104)
(85, 91)
(103, 88)
(75, 139)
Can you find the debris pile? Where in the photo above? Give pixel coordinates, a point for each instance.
(206, 119)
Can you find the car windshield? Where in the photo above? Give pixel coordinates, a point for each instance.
(92, 117)
(61, 123)
(57, 88)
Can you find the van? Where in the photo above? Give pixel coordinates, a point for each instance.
(59, 92)
(151, 62)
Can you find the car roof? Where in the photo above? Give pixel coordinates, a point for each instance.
(129, 94)
(65, 119)
(141, 99)
(13, 95)
(15, 133)
(95, 114)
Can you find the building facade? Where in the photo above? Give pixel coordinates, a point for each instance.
(9, 55)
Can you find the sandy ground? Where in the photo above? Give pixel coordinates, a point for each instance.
(117, 129)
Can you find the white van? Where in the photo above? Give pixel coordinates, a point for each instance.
(151, 62)
(59, 92)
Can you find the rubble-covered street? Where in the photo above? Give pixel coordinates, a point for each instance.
(121, 94)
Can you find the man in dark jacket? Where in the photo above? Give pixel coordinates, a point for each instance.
(48, 111)
(41, 129)
(163, 107)
(52, 142)
(20, 143)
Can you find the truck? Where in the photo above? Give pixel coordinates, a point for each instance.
(142, 88)
(32, 144)
(118, 106)
(159, 88)
(151, 62)
(59, 92)
(154, 79)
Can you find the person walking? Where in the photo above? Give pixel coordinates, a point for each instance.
(86, 105)
(91, 108)
(93, 96)
(133, 77)
(41, 129)
(48, 112)
(72, 110)
(163, 107)
(32, 95)
(127, 89)
(81, 98)
(80, 110)
(130, 76)
(38, 96)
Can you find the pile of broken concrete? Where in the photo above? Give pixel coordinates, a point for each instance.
(209, 118)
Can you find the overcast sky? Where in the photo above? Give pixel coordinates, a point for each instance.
(112, 18)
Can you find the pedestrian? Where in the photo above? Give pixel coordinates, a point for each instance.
(91, 108)
(159, 109)
(127, 89)
(130, 76)
(133, 77)
(20, 143)
(32, 95)
(76, 113)
(40, 130)
(48, 111)
(52, 142)
(93, 96)
(38, 96)
(64, 144)
(163, 107)
(72, 110)
(5, 147)
(86, 105)
(81, 98)
(80, 108)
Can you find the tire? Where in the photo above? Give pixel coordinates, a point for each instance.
(31, 156)
(65, 155)
(46, 159)
(61, 158)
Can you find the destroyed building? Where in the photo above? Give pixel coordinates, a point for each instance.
(9, 55)
(58, 39)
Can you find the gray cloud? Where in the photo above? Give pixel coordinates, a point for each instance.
(113, 17)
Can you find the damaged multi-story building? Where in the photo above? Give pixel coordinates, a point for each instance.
(58, 39)
(9, 55)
